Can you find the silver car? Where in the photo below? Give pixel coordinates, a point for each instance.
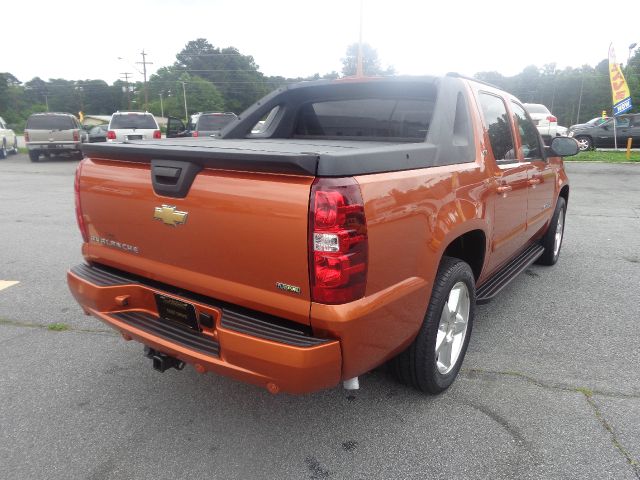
(53, 133)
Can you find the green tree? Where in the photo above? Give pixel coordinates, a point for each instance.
(202, 95)
(236, 76)
(371, 65)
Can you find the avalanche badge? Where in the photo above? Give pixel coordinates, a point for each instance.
(169, 215)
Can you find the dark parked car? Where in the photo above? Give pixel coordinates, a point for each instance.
(98, 133)
(203, 125)
(594, 135)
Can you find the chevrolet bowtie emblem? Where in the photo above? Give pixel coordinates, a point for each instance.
(169, 215)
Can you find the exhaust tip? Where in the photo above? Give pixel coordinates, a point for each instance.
(351, 384)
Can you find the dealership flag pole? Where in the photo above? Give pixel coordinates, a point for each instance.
(619, 91)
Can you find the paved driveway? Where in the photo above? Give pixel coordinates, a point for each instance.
(550, 386)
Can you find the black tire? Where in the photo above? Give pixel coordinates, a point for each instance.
(417, 365)
(34, 155)
(15, 146)
(548, 241)
(584, 143)
(3, 150)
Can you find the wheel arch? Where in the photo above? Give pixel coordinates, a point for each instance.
(470, 247)
(564, 193)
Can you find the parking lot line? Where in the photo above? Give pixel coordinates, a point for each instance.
(7, 283)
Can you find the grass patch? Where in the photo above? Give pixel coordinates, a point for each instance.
(23, 150)
(58, 327)
(587, 392)
(609, 157)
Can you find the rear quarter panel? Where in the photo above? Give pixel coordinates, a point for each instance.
(412, 217)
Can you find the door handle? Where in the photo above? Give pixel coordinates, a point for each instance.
(504, 188)
(534, 181)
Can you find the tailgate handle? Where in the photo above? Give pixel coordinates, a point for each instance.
(168, 175)
(173, 178)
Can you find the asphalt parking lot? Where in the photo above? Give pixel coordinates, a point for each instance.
(550, 387)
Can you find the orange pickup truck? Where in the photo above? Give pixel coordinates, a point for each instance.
(332, 227)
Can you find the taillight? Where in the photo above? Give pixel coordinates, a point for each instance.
(194, 133)
(157, 134)
(111, 135)
(80, 219)
(76, 136)
(26, 136)
(338, 246)
(551, 118)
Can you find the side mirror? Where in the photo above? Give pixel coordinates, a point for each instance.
(605, 126)
(563, 147)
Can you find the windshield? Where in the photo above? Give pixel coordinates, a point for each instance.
(536, 108)
(50, 122)
(597, 121)
(213, 122)
(133, 120)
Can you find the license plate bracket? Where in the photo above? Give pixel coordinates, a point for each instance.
(177, 311)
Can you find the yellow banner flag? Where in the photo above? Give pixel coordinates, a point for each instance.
(619, 89)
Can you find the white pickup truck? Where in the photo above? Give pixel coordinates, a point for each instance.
(8, 140)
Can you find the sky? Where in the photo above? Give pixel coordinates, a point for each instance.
(100, 40)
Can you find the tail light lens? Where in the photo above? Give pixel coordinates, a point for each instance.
(111, 135)
(194, 133)
(80, 219)
(26, 136)
(76, 136)
(157, 134)
(551, 118)
(338, 245)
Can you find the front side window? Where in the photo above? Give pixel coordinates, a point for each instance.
(528, 133)
(497, 123)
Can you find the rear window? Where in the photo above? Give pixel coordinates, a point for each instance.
(133, 120)
(534, 108)
(213, 122)
(50, 122)
(366, 119)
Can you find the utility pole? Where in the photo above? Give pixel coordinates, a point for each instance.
(161, 106)
(186, 114)
(580, 99)
(126, 80)
(46, 100)
(359, 67)
(144, 64)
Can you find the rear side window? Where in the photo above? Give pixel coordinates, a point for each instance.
(50, 122)
(213, 122)
(528, 133)
(133, 120)
(366, 119)
(535, 108)
(496, 120)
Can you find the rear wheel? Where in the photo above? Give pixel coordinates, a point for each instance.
(15, 145)
(584, 143)
(34, 155)
(432, 361)
(3, 150)
(552, 240)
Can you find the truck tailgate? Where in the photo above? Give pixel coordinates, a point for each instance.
(235, 235)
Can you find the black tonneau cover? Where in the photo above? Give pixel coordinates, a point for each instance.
(277, 149)
(331, 158)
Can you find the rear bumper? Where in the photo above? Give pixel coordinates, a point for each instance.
(241, 344)
(53, 146)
